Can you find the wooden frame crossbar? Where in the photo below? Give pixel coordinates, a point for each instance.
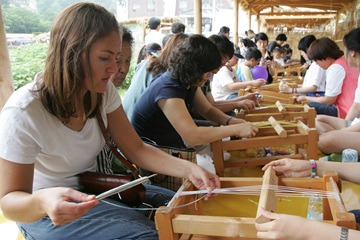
(304, 113)
(190, 223)
(270, 95)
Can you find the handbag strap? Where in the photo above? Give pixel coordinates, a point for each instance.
(113, 148)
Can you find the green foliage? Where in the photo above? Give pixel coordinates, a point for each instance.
(26, 61)
(130, 74)
(21, 20)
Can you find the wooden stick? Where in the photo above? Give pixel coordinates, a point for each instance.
(123, 187)
(267, 198)
(280, 107)
(278, 128)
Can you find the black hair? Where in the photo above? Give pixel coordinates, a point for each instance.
(352, 40)
(154, 22)
(127, 36)
(247, 42)
(253, 52)
(289, 50)
(224, 29)
(192, 58)
(305, 42)
(177, 27)
(278, 49)
(281, 37)
(225, 46)
(142, 54)
(166, 38)
(323, 48)
(286, 46)
(261, 36)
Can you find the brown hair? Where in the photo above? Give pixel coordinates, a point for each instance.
(161, 64)
(73, 32)
(323, 48)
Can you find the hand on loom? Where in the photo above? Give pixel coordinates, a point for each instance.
(289, 227)
(204, 180)
(287, 167)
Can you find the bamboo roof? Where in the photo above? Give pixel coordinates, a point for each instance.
(301, 13)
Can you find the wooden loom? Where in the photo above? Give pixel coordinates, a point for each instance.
(190, 223)
(270, 95)
(300, 135)
(281, 112)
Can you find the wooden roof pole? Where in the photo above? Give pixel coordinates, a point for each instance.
(6, 79)
(249, 13)
(236, 26)
(198, 16)
(336, 25)
(352, 14)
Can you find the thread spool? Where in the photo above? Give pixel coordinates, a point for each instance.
(349, 155)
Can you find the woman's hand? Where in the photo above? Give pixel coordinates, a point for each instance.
(283, 227)
(245, 104)
(287, 167)
(284, 88)
(204, 180)
(258, 82)
(246, 129)
(58, 204)
(301, 99)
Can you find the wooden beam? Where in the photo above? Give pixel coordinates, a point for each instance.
(6, 79)
(249, 14)
(198, 16)
(297, 13)
(236, 25)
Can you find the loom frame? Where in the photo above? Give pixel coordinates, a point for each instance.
(174, 224)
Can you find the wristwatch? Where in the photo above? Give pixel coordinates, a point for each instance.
(344, 233)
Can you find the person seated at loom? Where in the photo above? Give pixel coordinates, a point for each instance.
(341, 80)
(286, 227)
(146, 71)
(315, 77)
(162, 112)
(226, 82)
(228, 106)
(337, 134)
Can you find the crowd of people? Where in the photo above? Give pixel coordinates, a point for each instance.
(182, 85)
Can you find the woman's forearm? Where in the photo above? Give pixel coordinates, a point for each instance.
(21, 207)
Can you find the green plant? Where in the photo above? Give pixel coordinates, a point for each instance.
(26, 61)
(129, 76)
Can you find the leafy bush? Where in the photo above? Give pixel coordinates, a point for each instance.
(26, 61)
(129, 76)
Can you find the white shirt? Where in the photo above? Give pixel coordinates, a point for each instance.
(219, 89)
(315, 76)
(154, 37)
(30, 134)
(280, 61)
(357, 92)
(335, 76)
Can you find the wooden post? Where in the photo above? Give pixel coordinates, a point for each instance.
(236, 25)
(336, 25)
(6, 79)
(267, 198)
(198, 16)
(249, 13)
